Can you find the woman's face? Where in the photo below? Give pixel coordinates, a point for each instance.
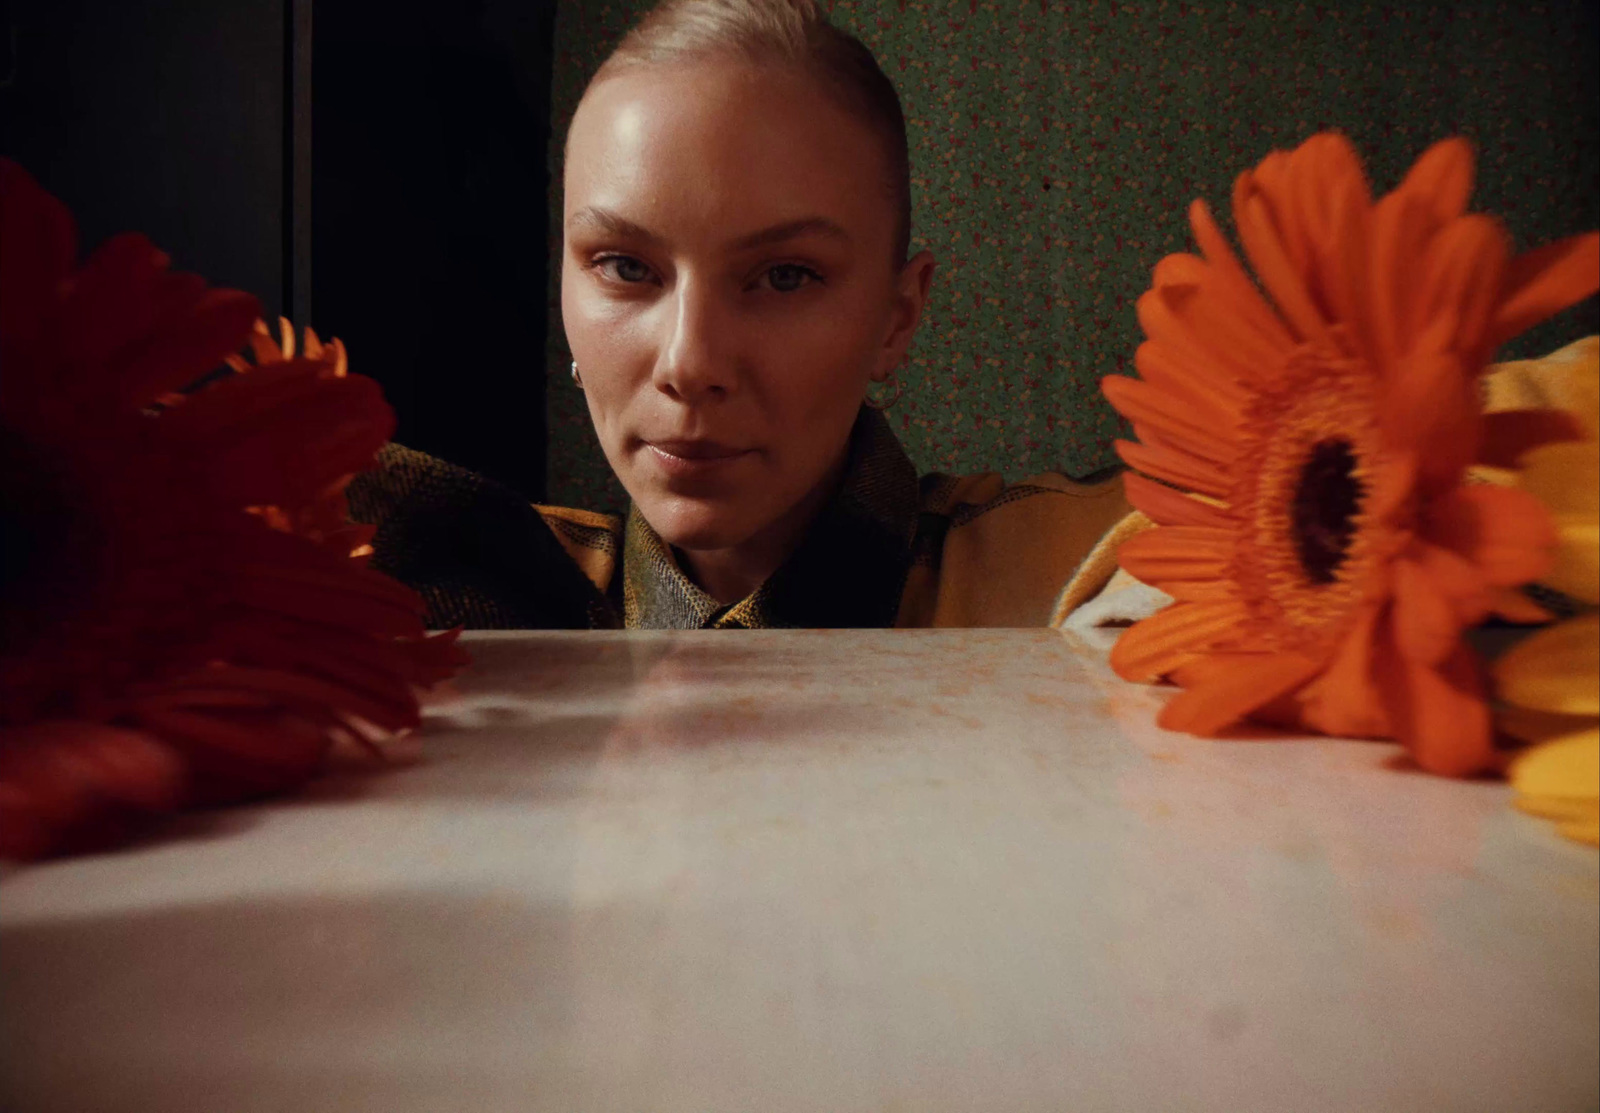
(728, 290)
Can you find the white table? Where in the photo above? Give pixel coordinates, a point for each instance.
(818, 871)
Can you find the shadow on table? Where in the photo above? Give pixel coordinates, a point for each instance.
(428, 1000)
(540, 716)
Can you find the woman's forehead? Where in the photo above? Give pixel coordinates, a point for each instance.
(721, 141)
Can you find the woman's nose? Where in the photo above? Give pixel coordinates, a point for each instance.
(695, 363)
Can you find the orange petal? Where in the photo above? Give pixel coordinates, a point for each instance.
(1178, 269)
(1168, 417)
(1175, 467)
(1208, 387)
(1462, 278)
(1177, 553)
(1272, 184)
(1513, 606)
(1189, 320)
(1233, 283)
(1201, 591)
(1170, 507)
(1340, 278)
(1471, 596)
(1283, 278)
(1507, 533)
(1507, 434)
(1442, 177)
(1541, 283)
(1425, 623)
(1440, 713)
(1401, 228)
(1154, 647)
(1431, 409)
(1346, 700)
(1237, 684)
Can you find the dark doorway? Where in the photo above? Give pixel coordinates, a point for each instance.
(156, 116)
(420, 221)
(429, 130)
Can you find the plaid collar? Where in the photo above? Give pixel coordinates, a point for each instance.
(849, 570)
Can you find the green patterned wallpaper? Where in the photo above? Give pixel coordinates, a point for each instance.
(1055, 147)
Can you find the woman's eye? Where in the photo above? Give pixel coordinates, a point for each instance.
(624, 268)
(789, 277)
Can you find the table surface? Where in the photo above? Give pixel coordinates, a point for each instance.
(846, 870)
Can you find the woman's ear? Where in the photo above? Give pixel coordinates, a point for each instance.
(910, 296)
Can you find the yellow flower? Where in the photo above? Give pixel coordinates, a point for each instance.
(1552, 680)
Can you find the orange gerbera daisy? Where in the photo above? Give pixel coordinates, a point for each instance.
(160, 644)
(1305, 457)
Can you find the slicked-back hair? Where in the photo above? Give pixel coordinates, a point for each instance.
(795, 34)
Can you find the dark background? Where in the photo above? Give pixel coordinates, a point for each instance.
(411, 189)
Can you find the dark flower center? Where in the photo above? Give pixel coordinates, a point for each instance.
(1324, 511)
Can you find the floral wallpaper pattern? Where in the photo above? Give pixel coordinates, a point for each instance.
(1056, 145)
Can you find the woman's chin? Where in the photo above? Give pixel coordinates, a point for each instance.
(699, 523)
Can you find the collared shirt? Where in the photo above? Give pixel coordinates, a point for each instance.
(888, 549)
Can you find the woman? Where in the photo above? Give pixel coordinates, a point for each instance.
(734, 278)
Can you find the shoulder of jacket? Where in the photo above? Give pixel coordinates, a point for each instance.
(965, 499)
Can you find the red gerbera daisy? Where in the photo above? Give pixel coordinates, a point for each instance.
(181, 615)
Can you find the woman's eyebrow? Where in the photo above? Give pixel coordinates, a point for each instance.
(616, 225)
(609, 222)
(789, 230)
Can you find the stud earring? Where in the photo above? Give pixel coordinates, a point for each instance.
(577, 378)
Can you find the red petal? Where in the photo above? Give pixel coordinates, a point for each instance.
(115, 299)
(234, 755)
(318, 699)
(186, 344)
(282, 434)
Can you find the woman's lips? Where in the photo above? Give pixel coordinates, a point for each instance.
(688, 459)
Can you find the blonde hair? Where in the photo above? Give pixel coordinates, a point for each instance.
(795, 33)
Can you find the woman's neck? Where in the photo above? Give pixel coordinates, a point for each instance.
(729, 575)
